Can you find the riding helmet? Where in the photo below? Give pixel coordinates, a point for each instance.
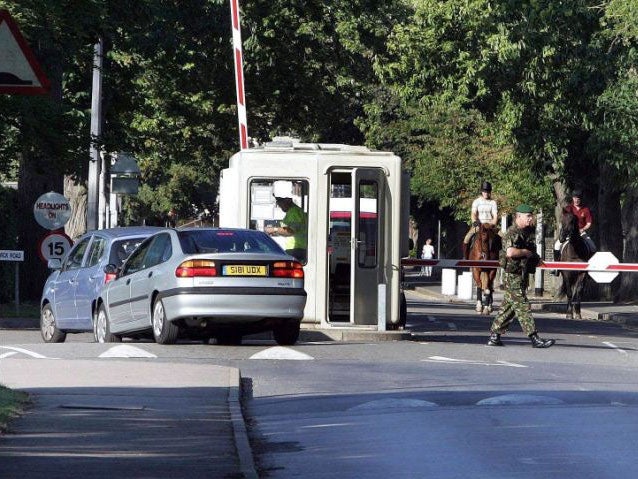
(577, 193)
(486, 186)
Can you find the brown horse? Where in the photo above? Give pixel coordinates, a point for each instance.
(573, 249)
(486, 246)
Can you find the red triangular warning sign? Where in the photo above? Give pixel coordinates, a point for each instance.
(20, 72)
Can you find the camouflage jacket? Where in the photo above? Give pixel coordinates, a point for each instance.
(515, 237)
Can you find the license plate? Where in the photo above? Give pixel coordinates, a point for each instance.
(244, 270)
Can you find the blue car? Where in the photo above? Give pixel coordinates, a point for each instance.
(68, 303)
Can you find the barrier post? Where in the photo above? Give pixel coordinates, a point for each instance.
(239, 75)
(448, 281)
(465, 285)
(381, 319)
(540, 246)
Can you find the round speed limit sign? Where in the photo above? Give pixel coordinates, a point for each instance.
(54, 245)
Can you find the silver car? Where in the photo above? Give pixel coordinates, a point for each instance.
(206, 282)
(69, 296)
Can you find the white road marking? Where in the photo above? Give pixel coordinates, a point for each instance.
(25, 351)
(442, 359)
(613, 346)
(279, 352)
(126, 351)
(393, 404)
(6, 355)
(518, 399)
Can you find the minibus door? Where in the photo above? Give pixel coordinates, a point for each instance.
(368, 186)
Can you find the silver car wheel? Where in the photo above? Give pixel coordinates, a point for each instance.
(48, 324)
(49, 327)
(100, 326)
(158, 319)
(164, 331)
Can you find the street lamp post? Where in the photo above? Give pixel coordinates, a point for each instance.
(95, 163)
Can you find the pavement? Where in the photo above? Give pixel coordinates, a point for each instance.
(112, 418)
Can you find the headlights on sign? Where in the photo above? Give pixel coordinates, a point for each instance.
(52, 210)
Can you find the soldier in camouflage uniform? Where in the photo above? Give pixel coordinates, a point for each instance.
(518, 260)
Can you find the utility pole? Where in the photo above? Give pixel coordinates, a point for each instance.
(95, 163)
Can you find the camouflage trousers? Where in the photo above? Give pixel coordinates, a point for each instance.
(515, 304)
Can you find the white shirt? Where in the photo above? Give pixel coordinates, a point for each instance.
(428, 251)
(485, 209)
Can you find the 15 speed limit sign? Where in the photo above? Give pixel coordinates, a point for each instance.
(54, 245)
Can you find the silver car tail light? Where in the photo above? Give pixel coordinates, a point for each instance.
(287, 269)
(196, 268)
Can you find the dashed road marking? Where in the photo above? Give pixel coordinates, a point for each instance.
(442, 359)
(613, 346)
(33, 354)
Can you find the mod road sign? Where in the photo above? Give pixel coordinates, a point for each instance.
(11, 255)
(20, 72)
(54, 245)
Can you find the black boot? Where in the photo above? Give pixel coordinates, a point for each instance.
(495, 340)
(539, 342)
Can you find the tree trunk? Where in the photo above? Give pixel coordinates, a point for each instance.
(77, 196)
(628, 286)
(34, 181)
(607, 223)
(36, 177)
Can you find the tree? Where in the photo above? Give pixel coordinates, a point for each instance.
(616, 139)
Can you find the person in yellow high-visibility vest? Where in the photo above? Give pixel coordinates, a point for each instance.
(294, 226)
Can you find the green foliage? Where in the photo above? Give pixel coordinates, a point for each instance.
(505, 91)
(621, 16)
(308, 64)
(169, 89)
(525, 94)
(12, 403)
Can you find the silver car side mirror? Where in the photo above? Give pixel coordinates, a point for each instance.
(54, 263)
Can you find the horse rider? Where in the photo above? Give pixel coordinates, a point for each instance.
(583, 213)
(518, 259)
(484, 210)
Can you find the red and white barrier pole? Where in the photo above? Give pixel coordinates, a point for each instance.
(562, 265)
(239, 75)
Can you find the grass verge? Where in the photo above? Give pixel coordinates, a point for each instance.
(12, 403)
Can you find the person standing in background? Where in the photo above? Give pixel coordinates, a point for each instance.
(427, 253)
